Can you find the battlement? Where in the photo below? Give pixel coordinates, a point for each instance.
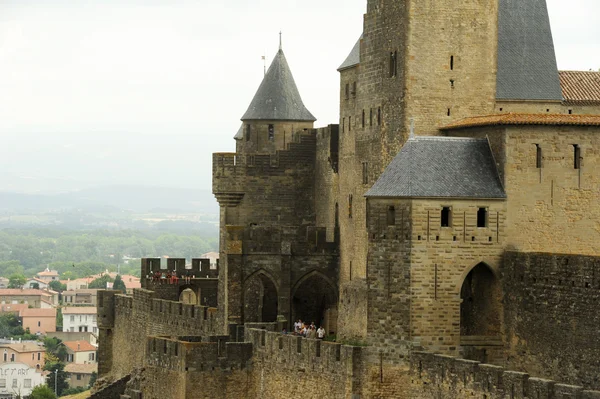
(459, 377)
(299, 353)
(200, 267)
(192, 354)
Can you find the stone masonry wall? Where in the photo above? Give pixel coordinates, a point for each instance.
(140, 316)
(551, 316)
(553, 208)
(445, 377)
(290, 366)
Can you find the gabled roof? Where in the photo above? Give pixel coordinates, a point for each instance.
(353, 58)
(79, 310)
(441, 167)
(525, 119)
(526, 60)
(278, 98)
(87, 368)
(38, 312)
(79, 346)
(580, 87)
(24, 292)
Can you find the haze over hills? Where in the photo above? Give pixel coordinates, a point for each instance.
(121, 197)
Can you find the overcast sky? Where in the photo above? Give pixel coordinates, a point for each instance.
(144, 91)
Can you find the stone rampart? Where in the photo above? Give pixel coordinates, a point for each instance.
(551, 315)
(296, 365)
(448, 377)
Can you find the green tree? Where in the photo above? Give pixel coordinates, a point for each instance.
(119, 284)
(61, 377)
(55, 350)
(93, 378)
(42, 392)
(57, 286)
(100, 282)
(16, 280)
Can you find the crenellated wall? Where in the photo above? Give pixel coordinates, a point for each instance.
(291, 366)
(126, 321)
(445, 377)
(551, 315)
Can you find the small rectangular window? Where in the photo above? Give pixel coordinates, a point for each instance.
(271, 133)
(451, 62)
(538, 156)
(391, 216)
(379, 115)
(446, 220)
(248, 131)
(363, 118)
(343, 125)
(27, 383)
(365, 173)
(349, 123)
(350, 205)
(576, 156)
(370, 116)
(482, 217)
(15, 383)
(353, 89)
(347, 91)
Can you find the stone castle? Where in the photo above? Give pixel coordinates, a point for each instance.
(446, 231)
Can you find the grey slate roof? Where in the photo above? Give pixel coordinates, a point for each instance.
(353, 58)
(446, 167)
(526, 60)
(240, 133)
(278, 98)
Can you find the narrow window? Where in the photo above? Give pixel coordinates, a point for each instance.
(271, 133)
(576, 156)
(392, 61)
(353, 89)
(365, 173)
(448, 111)
(538, 156)
(347, 91)
(391, 216)
(482, 217)
(363, 118)
(349, 123)
(452, 63)
(350, 205)
(248, 130)
(379, 115)
(343, 125)
(370, 116)
(446, 216)
(570, 112)
(39, 323)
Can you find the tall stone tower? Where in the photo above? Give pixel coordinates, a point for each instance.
(429, 64)
(269, 242)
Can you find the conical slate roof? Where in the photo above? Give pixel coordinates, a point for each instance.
(277, 97)
(526, 60)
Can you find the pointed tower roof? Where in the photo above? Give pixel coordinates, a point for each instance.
(526, 60)
(277, 97)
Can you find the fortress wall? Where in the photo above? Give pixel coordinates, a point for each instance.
(551, 315)
(297, 367)
(445, 377)
(326, 179)
(135, 318)
(553, 208)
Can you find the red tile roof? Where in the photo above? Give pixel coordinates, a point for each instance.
(87, 368)
(580, 87)
(79, 346)
(80, 310)
(38, 312)
(525, 119)
(20, 292)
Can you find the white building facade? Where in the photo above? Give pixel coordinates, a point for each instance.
(18, 380)
(80, 319)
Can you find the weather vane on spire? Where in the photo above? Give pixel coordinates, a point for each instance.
(280, 47)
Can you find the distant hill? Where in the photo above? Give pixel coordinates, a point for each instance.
(133, 198)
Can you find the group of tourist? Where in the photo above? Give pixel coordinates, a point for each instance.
(170, 277)
(308, 330)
